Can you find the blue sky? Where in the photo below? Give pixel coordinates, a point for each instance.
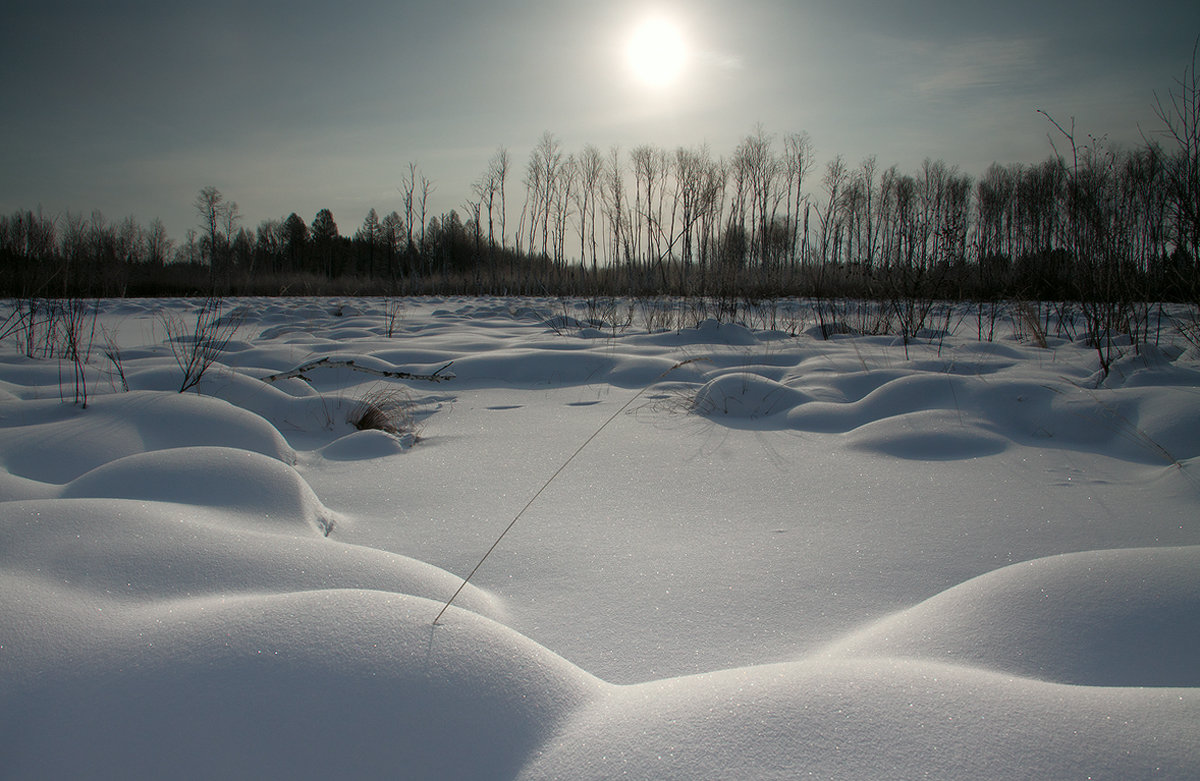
(131, 107)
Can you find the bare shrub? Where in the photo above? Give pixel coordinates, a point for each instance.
(658, 313)
(34, 323)
(393, 313)
(197, 348)
(13, 323)
(78, 322)
(112, 351)
(605, 312)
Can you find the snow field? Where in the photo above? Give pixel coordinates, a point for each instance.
(790, 557)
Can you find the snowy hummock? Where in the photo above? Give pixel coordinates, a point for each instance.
(788, 557)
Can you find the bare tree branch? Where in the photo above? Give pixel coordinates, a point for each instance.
(330, 363)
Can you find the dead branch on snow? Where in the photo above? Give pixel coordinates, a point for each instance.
(330, 363)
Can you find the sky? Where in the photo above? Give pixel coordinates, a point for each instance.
(131, 107)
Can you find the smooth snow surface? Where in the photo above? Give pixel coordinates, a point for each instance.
(789, 557)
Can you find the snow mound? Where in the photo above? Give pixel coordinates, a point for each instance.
(949, 416)
(310, 685)
(1100, 618)
(931, 691)
(13, 487)
(1165, 421)
(926, 436)
(745, 395)
(875, 396)
(152, 555)
(365, 445)
(56, 442)
(711, 331)
(306, 416)
(265, 488)
(872, 719)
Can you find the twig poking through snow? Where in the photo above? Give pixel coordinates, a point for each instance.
(329, 363)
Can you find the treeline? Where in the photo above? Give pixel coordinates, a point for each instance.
(1090, 223)
(76, 256)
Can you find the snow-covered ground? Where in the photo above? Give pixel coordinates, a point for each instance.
(781, 557)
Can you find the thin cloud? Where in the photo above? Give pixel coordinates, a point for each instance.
(720, 60)
(980, 64)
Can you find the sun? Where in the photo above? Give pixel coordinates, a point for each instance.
(656, 52)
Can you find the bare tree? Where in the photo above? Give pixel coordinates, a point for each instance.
(661, 225)
(797, 165)
(210, 205)
(408, 185)
(426, 191)
(218, 218)
(489, 189)
(564, 186)
(1180, 116)
(368, 237)
(690, 170)
(474, 231)
(590, 170)
(545, 163)
(615, 205)
(869, 239)
(994, 198)
(643, 161)
(500, 165)
(391, 231)
(529, 210)
(158, 244)
(835, 179)
(230, 217)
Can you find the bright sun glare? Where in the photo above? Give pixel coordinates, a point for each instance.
(656, 52)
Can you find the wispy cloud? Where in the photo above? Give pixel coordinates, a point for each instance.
(978, 64)
(721, 61)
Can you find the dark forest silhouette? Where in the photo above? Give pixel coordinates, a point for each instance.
(1092, 222)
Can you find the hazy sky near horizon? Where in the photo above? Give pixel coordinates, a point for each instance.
(131, 107)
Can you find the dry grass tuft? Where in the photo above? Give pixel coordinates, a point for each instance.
(385, 408)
